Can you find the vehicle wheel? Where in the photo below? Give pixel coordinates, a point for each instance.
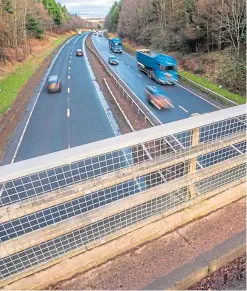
(140, 68)
(150, 75)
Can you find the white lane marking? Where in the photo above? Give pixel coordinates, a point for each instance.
(183, 109)
(68, 90)
(70, 56)
(140, 76)
(69, 77)
(70, 62)
(129, 55)
(31, 112)
(68, 112)
(198, 96)
(69, 68)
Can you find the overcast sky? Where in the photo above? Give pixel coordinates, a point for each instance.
(88, 8)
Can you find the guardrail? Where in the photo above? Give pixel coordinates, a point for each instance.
(213, 94)
(70, 201)
(125, 90)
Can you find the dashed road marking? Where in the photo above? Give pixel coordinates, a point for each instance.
(183, 109)
(68, 90)
(69, 68)
(69, 77)
(140, 76)
(68, 112)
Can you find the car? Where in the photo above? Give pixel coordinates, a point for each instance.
(113, 60)
(100, 34)
(158, 98)
(79, 53)
(95, 33)
(53, 84)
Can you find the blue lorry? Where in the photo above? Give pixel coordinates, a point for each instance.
(115, 45)
(159, 67)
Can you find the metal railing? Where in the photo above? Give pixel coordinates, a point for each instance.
(70, 201)
(141, 107)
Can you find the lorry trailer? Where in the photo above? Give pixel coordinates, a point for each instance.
(159, 67)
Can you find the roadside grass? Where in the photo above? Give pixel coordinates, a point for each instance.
(11, 85)
(213, 87)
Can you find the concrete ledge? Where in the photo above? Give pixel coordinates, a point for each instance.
(66, 269)
(204, 265)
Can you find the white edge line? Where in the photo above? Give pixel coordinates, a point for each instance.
(129, 55)
(94, 81)
(183, 109)
(131, 90)
(30, 115)
(198, 96)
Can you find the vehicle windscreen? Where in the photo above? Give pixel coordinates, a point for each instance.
(167, 68)
(53, 80)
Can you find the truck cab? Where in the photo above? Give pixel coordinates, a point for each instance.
(115, 45)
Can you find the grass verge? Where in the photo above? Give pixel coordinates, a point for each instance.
(12, 84)
(213, 87)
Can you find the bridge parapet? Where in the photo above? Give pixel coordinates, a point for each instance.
(65, 201)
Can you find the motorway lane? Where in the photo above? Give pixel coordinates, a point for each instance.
(70, 118)
(185, 102)
(64, 211)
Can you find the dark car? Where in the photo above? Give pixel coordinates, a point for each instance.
(79, 53)
(53, 84)
(113, 60)
(158, 98)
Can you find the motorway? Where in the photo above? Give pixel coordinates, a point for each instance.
(59, 121)
(75, 117)
(185, 101)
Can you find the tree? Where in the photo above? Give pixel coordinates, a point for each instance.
(33, 27)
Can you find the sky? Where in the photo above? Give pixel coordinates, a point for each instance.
(88, 8)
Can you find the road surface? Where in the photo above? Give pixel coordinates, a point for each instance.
(59, 121)
(185, 101)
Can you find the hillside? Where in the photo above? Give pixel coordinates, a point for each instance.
(23, 21)
(208, 37)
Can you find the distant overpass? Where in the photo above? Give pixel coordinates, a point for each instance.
(56, 205)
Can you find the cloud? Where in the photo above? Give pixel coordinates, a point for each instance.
(88, 8)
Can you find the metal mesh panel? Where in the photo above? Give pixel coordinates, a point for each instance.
(48, 213)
